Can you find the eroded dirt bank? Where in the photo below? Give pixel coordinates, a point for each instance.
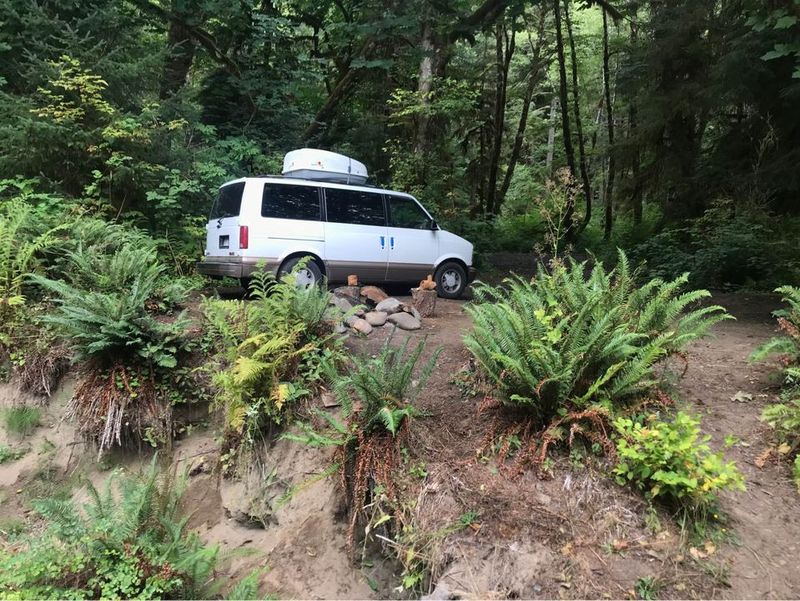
(574, 535)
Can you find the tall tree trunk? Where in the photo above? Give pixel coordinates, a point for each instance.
(636, 195)
(534, 77)
(180, 48)
(587, 186)
(609, 193)
(563, 100)
(425, 83)
(504, 50)
(551, 136)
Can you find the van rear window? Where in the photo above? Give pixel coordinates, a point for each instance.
(284, 201)
(229, 201)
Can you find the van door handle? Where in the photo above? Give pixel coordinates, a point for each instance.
(383, 242)
(391, 243)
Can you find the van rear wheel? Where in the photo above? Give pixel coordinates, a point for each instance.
(308, 276)
(451, 279)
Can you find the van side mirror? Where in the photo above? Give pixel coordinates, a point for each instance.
(434, 225)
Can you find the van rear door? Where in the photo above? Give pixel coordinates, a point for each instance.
(222, 231)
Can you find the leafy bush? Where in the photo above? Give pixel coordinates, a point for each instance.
(22, 420)
(789, 343)
(784, 418)
(269, 347)
(729, 246)
(103, 307)
(375, 394)
(107, 311)
(671, 460)
(128, 541)
(565, 339)
(19, 247)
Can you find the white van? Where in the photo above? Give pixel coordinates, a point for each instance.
(378, 235)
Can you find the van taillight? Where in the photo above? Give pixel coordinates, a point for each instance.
(244, 236)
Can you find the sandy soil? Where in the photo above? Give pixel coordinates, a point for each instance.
(574, 535)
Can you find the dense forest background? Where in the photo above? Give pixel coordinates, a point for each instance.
(669, 128)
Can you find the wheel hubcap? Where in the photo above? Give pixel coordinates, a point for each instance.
(305, 278)
(451, 280)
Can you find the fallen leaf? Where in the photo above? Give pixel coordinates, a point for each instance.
(784, 449)
(710, 548)
(566, 549)
(619, 545)
(697, 554)
(742, 397)
(762, 458)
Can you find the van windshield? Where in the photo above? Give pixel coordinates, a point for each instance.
(228, 202)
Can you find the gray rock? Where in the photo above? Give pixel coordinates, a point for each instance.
(412, 310)
(404, 321)
(390, 305)
(362, 326)
(342, 303)
(376, 318)
(339, 328)
(348, 292)
(351, 320)
(199, 465)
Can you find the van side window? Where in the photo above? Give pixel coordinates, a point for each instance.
(228, 202)
(352, 206)
(284, 201)
(404, 212)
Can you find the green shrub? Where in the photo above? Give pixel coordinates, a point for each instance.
(789, 343)
(375, 395)
(9, 454)
(104, 307)
(565, 340)
(270, 349)
(19, 248)
(730, 246)
(128, 541)
(110, 311)
(670, 460)
(22, 420)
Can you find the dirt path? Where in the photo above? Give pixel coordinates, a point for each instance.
(766, 518)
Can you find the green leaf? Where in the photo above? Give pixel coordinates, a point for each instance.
(785, 22)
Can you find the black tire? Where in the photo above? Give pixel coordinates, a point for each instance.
(310, 276)
(451, 279)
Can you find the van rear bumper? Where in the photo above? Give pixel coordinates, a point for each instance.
(233, 267)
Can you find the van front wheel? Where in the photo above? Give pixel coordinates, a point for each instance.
(307, 277)
(451, 279)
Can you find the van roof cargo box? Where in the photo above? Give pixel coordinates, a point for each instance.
(311, 163)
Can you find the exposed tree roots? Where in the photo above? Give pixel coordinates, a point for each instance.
(366, 472)
(120, 406)
(532, 441)
(42, 370)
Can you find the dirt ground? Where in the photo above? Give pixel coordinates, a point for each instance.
(573, 535)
